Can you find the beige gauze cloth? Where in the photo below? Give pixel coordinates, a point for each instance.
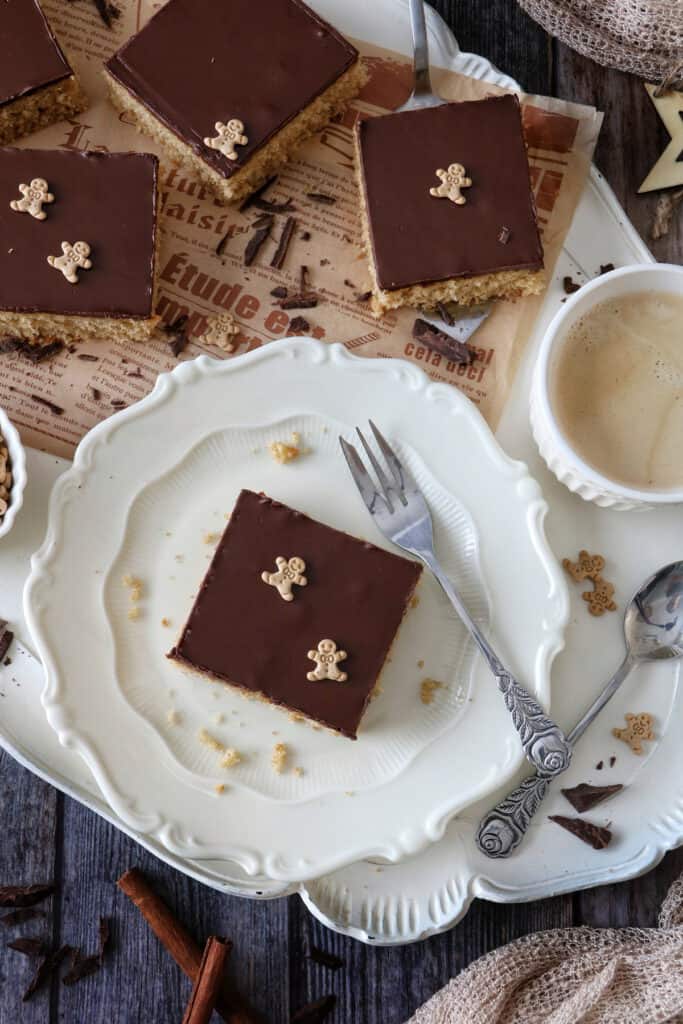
(641, 36)
(573, 976)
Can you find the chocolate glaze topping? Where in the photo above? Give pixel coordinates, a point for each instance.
(201, 61)
(419, 239)
(31, 57)
(105, 199)
(242, 631)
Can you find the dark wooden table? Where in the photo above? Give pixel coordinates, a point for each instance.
(45, 836)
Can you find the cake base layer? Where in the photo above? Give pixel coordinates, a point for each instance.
(56, 102)
(267, 160)
(42, 327)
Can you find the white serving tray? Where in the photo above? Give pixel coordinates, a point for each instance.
(429, 893)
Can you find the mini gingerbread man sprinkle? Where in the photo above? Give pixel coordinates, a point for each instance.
(588, 566)
(326, 659)
(599, 599)
(32, 198)
(639, 728)
(289, 571)
(452, 181)
(228, 136)
(73, 257)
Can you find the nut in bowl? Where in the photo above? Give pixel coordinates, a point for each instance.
(13, 466)
(607, 396)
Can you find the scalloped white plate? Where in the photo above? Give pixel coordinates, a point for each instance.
(149, 482)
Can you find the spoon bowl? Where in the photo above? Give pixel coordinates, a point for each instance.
(653, 624)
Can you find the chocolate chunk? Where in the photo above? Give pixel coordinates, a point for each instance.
(280, 292)
(255, 196)
(321, 956)
(445, 314)
(24, 895)
(321, 197)
(429, 335)
(299, 302)
(299, 325)
(586, 831)
(283, 245)
(570, 286)
(314, 1013)
(606, 267)
(25, 914)
(257, 239)
(178, 340)
(584, 796)
(504, 235)
(28, 946)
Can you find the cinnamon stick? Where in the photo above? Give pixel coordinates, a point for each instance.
(208, 982)
(178, 942)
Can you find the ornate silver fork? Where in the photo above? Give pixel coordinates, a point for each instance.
(401, 513)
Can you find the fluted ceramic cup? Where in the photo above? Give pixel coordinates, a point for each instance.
(556, 450)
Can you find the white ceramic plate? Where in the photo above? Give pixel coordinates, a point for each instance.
(145, 487)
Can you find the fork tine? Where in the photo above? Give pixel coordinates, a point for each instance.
(401, 475)
(381, 475)
(361, 477)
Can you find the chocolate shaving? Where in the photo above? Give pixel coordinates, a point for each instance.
(612, 761)
(262, 221)
(81, 967)
(280, 292)
(24, 895)
(269, 207)
(314, 1013)
(599, 766)
(606, 267)
(299, 325)
(321, 956)
(52, 406)
(6, 638)
(504, 235)
(220, 248)
(25, 914)
(429, 335)
(299, 302)
(283, 245)
(255, 196)
(104, 935)
(179, 339)
(586, 831)
(96, 393)
(257, 239)
(28, 946)
(445, 314)
(584, 796)
(47, 966)
(88, 357)
(321, 197)
(570, 286)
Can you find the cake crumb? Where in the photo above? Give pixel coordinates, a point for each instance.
(134, 586)
(295, 717)
(219, 718)
(208, 740)
(173, 717)
(210, 538)
(428, 688)
(298, 771)
(134, 613)
(165, 621)
(279, 757)
(283, 453)
(220, 331)
(421, 663)
(230, 758)
(415, 600)
(220, 788)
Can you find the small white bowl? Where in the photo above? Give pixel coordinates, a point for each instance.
(569, 468)
(18, 468)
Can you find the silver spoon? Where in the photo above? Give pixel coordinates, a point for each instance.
(653, 627)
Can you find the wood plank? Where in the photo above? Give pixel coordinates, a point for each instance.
(28, 855)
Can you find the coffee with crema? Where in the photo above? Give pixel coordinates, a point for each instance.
(617, 389)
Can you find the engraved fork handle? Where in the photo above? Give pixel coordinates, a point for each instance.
(544, 743)
(420, 47)
(503, 828)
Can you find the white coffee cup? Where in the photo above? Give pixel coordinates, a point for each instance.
(557, 451)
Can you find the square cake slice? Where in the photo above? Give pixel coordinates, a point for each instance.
(79, 233)
(448, 212)
(297, 613)
(231, 88)
(37, 85)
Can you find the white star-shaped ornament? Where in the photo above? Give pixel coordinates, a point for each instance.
(668, 171)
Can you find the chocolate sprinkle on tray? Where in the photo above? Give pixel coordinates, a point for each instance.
(429, 335)
(22, 915)
(24, 895)
(96, 393)
(606, 267)
(612, 761)
(305, 236)
(257, 239)
(250, 200)
(314, 1013)
(570, 286)
(299, 301)
(321, 197)
(586, 831)
(280, 292)
(584, 796)
(268, 207)
(299, 325)
(283, 245)
(87, 357)
(81, 967)
(117, 403)
(220, 248)
(599, 766)
(321, 956)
